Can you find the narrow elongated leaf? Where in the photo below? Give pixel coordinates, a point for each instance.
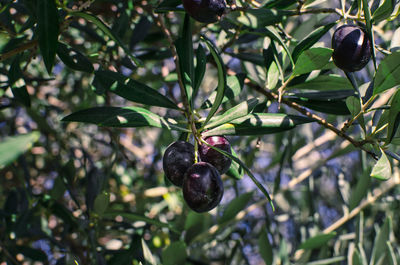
(273, 34)
(388, 73)
(337, 107)
(265, 247)
(48, 30)
(360, 191)
(317, 241)
(259, 124)
(148, 257)
(175, 254)
(184, 48)
(235, 84)
(235, 206)
(382, 169)
(17, 83)
(312, 59)
(394, 116)
(310, 40)
(12, 147)
(133, 217)
(235, 171)
(200, 69)
(221, 81)
(248, 171)
(238, 111)
(130, 89)
(73, 58)
(122, 117)
(324, 83)
(258, 18)
(370, 32)
(384, 11)
(103, 27)
(380, 240)
(390, 253)
(354, 105)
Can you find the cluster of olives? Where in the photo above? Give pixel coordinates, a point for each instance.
(201, 182)
(351, 48)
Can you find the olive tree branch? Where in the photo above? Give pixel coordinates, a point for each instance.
(273, 96)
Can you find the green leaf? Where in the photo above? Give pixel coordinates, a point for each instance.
(384, 11)
(237, 111)
(101, 203)
(175, 254)
(273, 34)
(324, 83)
(258, 18)
(103, 27)
(12, 147)
(317, 241)
(382, 169)
(361, 189)
(310, 40)
(337, 107)
(200, 69)
(368, 22)
(235, 171)
(235, 84)
(259, 124)
(391, 254)
(122, 117)
(354, 105)
(47, 30)
(184, 48)
(133, 217)
(221, 80)
(394, 117)
(235, 206)
(388, 73)
(265, 247)
(195, 224)
(312, 59)
(381, 238)
(17, 83)
(148, 257)
(73, 58)
(130, 89)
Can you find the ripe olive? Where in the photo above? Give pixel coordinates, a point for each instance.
(178, 157)
(202, 187)
(351, 48)
(215, 158)
(206, 11)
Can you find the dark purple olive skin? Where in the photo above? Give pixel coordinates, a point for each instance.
(219, 161)
(351, 48)
(205, 11)
(202, 187)
(178, 157)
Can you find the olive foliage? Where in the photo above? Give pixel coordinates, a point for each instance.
(93, 92)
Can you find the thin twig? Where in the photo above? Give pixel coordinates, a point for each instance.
(26, 46)
(318, 119)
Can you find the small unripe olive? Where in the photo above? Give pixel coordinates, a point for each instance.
(351, 48)
(215, 158)
(206, 11)
(202, 187)
(178, 157)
